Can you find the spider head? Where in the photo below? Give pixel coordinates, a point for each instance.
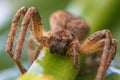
(59, 41)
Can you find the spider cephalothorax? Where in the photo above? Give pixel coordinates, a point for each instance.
(66, 36)
(59, 41)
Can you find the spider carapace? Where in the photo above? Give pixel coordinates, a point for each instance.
(66, 37)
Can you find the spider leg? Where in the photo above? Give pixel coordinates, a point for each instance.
(100, 41)
(92, 62)
(13, 30)
(44, 43)
(12, 33)
(32, 14)
(33, 54)
(36, 29)
(112, 53)
(31, 18)
(73, 51)
(107, 55)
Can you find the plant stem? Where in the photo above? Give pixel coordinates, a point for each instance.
(52, 67)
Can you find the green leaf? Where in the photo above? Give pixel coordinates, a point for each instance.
(52, 66)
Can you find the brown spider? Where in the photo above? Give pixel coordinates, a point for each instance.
(65, 37)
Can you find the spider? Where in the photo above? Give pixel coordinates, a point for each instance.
(66, 37)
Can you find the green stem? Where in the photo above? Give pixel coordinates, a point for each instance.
(52, 67)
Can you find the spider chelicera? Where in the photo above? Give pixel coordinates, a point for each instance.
(67, 36)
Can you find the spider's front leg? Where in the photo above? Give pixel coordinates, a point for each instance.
(100, 41)
(31, 17)
(12, 33)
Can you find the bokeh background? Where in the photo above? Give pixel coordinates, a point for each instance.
(99, 14)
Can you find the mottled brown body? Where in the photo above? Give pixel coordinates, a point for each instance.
(59, 41)
(75, 25)
(66, 36)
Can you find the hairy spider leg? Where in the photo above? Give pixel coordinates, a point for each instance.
(100, 41)
(31, 17)
(74, 52)
(36, 29)
(12, 33)
(31, 14)
(112, 54)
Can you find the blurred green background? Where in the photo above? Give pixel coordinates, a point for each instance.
(99, 14)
